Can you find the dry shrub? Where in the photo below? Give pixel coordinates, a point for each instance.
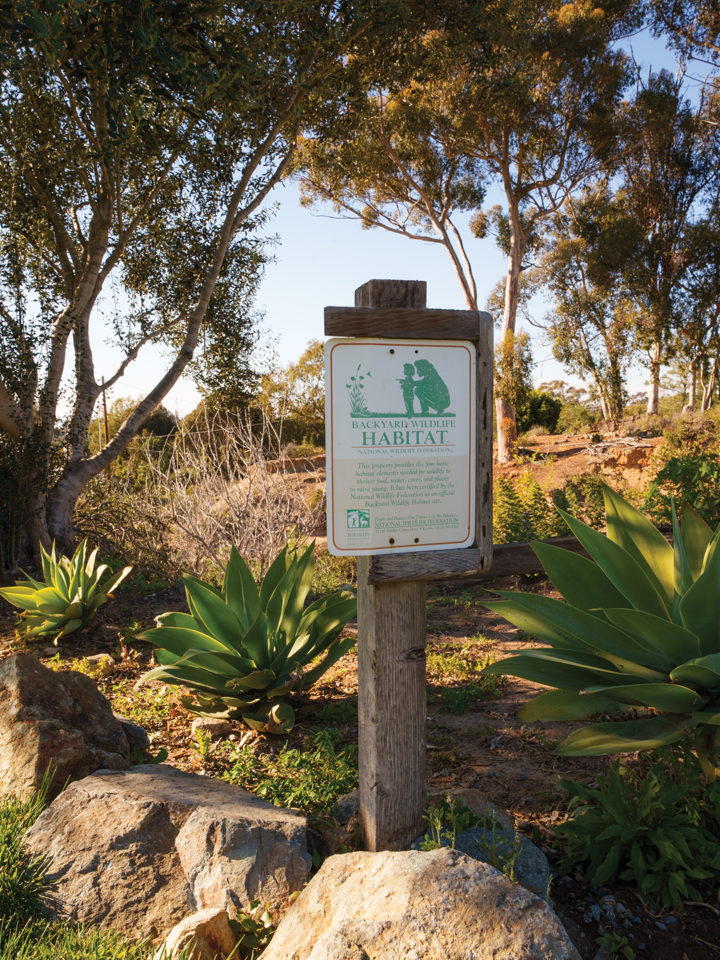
(217, 486)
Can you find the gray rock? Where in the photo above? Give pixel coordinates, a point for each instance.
(212, 727)
(476, 801)
(136, 735)
(140, 850)
(410, 905)
(54, 719)
(347, 807)
(510, 852)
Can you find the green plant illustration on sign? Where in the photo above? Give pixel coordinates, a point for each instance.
(356, 395)
(420, 386)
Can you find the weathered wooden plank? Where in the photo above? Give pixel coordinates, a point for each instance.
(484, 442)
(507, 559)
(410, 294)
(391, 686)
(391, 711)
(430, 565)
(407, 323)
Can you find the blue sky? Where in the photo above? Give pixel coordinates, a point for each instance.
(319, 260)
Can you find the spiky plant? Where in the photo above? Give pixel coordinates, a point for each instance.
(68, 597)
(241, 649)
(639, 627)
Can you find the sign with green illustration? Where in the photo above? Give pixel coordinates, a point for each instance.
(400, 424)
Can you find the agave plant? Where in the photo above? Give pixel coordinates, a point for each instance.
(69, 596)
(241, 649)
(639, 628)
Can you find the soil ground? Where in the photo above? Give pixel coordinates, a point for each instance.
(475, 739)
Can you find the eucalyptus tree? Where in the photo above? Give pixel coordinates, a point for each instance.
(138, 142)
(699, 304)
(528, 108)
(692, 26)
(592, 320)
(666, 178)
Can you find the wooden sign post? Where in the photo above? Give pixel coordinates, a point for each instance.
(392, 586)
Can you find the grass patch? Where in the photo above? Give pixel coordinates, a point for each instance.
(339, 712)
(151, 707)
(311, 777)
(453, 663)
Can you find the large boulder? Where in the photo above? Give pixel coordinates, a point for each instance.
(440, 905)
(141, 849)
(56, 719)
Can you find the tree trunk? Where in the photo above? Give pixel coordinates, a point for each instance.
(709, 387)
(504, 409)
(605, 407)
(506, 430)
(692, 387)
(654, 391)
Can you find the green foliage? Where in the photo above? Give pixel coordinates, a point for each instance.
(448, 665)
(538, 408)
(575, 418)
(22, 875)
(253, 929)
(513, 369)
(332, 573)
(654, 828)
(522, 512)
(448, 817)
(67, 598)
(295, 396)
(583, 497)
(616, 945)
(457, 699)
(311, 778)
(41, 940)
(338, 712)
(686, 479)
(241, 649)
(640, 630)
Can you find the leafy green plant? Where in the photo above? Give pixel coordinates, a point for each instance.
(639, 630)
(449, 817)
(253, 929)
(446, 818)
(522, 511)
(202, 745)
(653, 829)
(686, 479)
(312, 778)
(68, 597)
(616, 945)
(241, 649)
(583, 497)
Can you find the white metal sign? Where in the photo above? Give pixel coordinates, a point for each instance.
(400, 432)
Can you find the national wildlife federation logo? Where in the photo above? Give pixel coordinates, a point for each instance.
(423, 391)
(357, 519)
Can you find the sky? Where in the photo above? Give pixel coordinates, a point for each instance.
(320, 259)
